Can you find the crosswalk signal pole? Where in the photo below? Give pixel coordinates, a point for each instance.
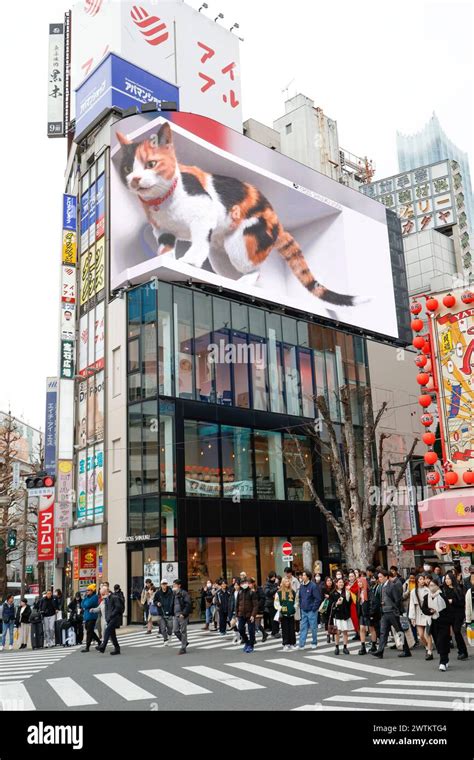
(25, 544)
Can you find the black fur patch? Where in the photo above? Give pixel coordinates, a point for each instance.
(209, 237)
(231, 191)
(192, 185)
(259, 231)
(261, 205)
(167, 239)
(127, 158)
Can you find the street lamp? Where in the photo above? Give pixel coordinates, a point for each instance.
(204, 5)
(220, 16)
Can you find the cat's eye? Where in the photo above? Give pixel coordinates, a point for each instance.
(150, 164)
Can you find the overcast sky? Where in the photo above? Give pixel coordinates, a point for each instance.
(373, 66)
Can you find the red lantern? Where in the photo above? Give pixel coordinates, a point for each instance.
(449, 301)
(425, 401)
(426, 348)
(431, 457)
(427, 420)
(416, 307)
(432, 478)
(451, 478)
(421, 361)
(429, 438)
(417, 325)
(468, 478)
(423, 378)
(432, 304)
(467, 297)
(418, 342)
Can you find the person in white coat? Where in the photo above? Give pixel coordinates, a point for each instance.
(418, 619)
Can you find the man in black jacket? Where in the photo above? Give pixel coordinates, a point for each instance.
(48, 609)
(113, 617)
(182, 607)
(164, 601)
(270, 589)
(391, 600)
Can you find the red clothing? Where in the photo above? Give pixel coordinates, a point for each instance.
(354, 589)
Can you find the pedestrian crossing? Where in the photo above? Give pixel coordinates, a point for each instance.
(402, 694)
(198, 680)
(19, 666)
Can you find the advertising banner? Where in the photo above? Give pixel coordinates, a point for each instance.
(66, 419)
(69, 249)
(81, 486)
(85, 220)
(99, 337)
(56, 81)
(65, 486)
(67, 360)
(69, 213)
(50, 425)
(243, 217)
(116, 82)
(60, 541)
(169, 39)
(100, 211)
(75, 563)
(99, 484)
(68, 321)
(88, 563)
(92, 274)
(68, 284)
(453, 330)
(82, 414)
(46, 528)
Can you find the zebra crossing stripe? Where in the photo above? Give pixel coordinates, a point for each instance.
(317, 671)
(419, 692)
(429, 684)
(344, 663)
(274, 675)
(71, 693)
(14, 696)
(241, 684)
(396, 702)
(338, 708)
(175, 682)
(122, 686)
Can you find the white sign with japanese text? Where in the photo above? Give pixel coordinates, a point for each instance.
(56, 81)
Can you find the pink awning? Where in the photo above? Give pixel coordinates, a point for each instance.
(463, 534)
(452, 507)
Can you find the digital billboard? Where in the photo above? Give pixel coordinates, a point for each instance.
(191, 199)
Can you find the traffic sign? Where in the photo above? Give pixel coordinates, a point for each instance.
(287, 549)
(287, 558)
(29, 569)
(40, 492)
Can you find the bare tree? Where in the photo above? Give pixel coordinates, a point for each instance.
(359, 490)
(10, 497)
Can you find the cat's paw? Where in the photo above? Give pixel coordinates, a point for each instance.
(195, 256)
(250, 279)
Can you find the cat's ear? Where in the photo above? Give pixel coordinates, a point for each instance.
(123, 139)
(165, 136)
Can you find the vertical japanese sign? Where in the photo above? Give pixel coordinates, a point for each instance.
(75, 562)
(67, 360)
(46, 528)
(63, 512)
(56, 81)
(69, 252)
(50, 425)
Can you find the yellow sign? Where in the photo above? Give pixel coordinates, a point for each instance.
(446, 342)
(69, 247)
(93, 271)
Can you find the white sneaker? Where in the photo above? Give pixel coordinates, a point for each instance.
(11, 646)
(443, 667)
(1, 648)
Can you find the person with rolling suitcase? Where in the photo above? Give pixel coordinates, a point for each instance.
(36, 626)
(48, 613)
(76, 617)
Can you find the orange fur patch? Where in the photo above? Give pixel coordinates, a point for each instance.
(200, 174)
(164, 155)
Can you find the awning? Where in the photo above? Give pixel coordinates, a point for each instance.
(421, 542)
(452, 507)
(461, 534)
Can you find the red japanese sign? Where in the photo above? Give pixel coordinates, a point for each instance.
(46, 529)
(76, 563)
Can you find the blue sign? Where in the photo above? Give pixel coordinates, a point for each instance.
(116, 82)
(50, 427)
(69, 213)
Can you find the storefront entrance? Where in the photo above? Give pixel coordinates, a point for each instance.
(144, 563)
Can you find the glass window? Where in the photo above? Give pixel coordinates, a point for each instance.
(164, 339)
(222, 318)
(183, 324)
(291, 381)
(148, 303)
(150, 447)
(134, 387)
(203, 338)
(149, 359)
(135, 517)
(333, 386)
(275, 371)
(137, 583)
(241, 372)
(241, 557)
(320, 374)
(169, 549)
(133, 355)
(240, 317)
(152, 517)
(202, 472)
(151, 564)
(269, 465)
(315, 337)
(135, 449)
(205, 562)
(305, 553)
(134, 312)
(258, 373)
(306, 375)
(298, 467)
(271, 556)
(167, 454)
(237, 470)
(169, 518)
(222, 367)
(303, 334)
(257, 322)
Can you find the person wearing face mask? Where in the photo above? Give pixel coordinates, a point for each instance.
(247, 609)
(391, 599)
(436, 605)
(270, 589)
(207, 604)
(182, 608)
(454, 596)
(417, 618)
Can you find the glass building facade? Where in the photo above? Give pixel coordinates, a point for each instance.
(220, 398)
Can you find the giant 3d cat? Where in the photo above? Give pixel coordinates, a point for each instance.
(226, 221)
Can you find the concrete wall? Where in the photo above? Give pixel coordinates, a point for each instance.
(431, 261)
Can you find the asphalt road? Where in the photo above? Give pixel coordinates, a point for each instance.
(216, 675)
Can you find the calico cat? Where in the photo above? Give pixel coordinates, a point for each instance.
(227, 221)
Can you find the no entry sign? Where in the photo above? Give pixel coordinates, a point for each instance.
(287, 549)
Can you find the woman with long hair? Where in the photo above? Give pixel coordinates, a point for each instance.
(286, 600)
(436, 603)
(353, 587)
(340, 601)
(363, 612)
(417, 618)
(327, 589)
(454, 595)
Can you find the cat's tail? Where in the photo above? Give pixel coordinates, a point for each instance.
(289, 249)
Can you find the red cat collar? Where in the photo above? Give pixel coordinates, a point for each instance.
(160, 201)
